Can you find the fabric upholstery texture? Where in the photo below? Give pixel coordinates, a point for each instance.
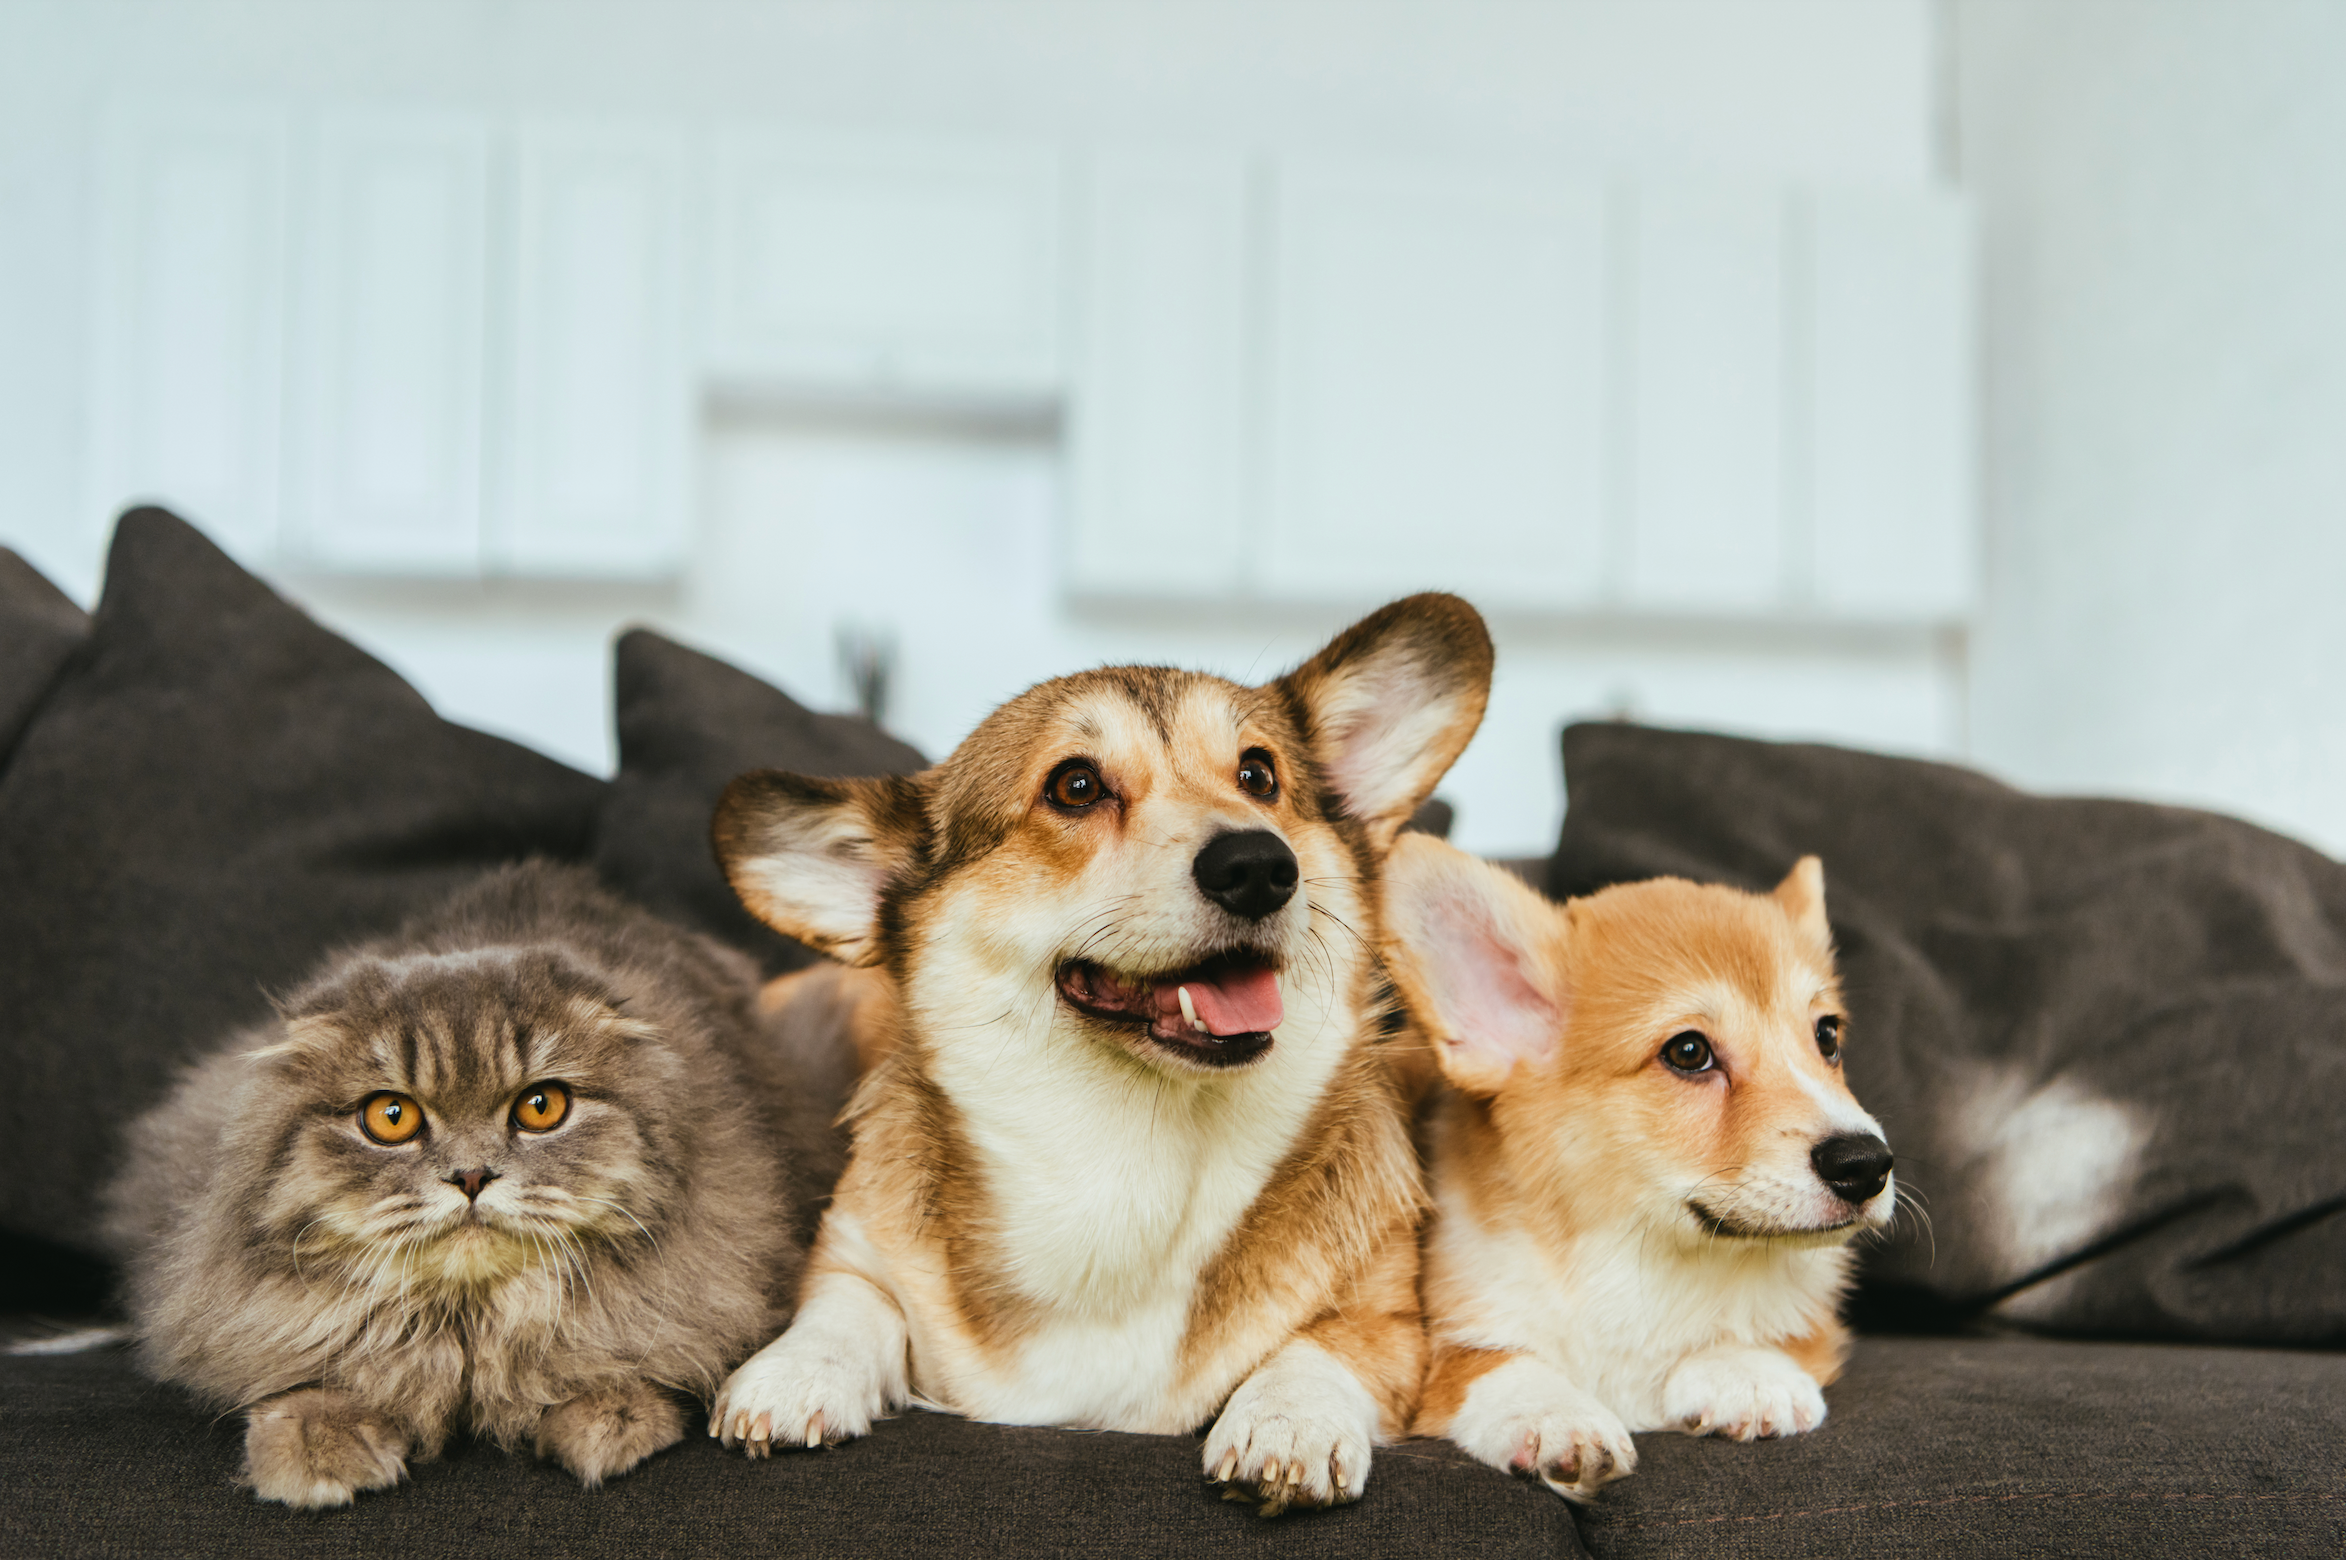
(39, 627)
(688, 723)
(2107, 1039)
(1939, 1447)
(99, 1461)
(214, 792)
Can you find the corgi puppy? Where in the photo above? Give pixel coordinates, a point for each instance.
(1126, 1161)
(1646, 1167)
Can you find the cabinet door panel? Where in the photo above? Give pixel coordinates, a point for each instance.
(1893, 453)
(395, 355)
(1707, 414)
(602, 397)
(188, 342)
(881, 263)
(1158, 424)
(1438, 377)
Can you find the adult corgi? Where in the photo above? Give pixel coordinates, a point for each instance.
(1127, 1161)
(1646, 1169)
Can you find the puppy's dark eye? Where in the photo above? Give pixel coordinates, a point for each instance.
(390, 1119)
(1829, 1037)
(1075, 784)
(1689, 1051)
(541, 1107)
(1256, 777)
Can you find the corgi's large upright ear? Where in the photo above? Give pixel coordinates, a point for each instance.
(812, 858)
(1391, 702)
(1477, 956)
(1802, 896)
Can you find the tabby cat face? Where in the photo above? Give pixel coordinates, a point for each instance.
(453, 1119)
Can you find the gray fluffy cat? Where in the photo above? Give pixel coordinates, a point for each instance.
(527, 1169)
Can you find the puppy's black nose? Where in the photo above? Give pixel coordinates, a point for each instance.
(1853, 1164)
(1249, 874)
(472, 1180)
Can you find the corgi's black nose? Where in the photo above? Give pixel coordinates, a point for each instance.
(1853, 1164)
(1250, 874)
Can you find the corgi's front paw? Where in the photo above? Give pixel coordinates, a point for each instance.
(1743, 1394)
(795, 1392)
(1528, 1418)
(1296, 1433)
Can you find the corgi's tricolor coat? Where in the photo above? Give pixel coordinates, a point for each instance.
(1647, 1166)
(1126, 1160)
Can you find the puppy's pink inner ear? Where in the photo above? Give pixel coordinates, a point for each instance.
(1492, 1014)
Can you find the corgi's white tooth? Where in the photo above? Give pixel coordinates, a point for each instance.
(1189, 1009)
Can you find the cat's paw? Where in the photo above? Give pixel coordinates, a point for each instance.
(1744, 1395)
(600, 1434)
(316, 1448)
(796, 1392)
(1528, 1418)
(1296, 1433)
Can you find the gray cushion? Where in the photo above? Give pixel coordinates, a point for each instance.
(98, 1461)
(2107, 1039)
(688, 723)
(1997, 1447)
(214, 792)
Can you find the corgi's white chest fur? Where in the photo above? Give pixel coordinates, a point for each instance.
(1110, 1188)
(1617, 1309)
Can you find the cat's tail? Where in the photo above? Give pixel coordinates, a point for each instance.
(78, 1340)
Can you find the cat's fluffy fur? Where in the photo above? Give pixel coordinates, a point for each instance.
(362, 1307)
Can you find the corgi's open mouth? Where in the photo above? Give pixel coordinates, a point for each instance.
(1220, 1013)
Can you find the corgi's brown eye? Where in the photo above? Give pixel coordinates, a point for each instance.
(390, 1118)
(1075, 784)
(1688, 1052)
(1829, 1037)
(541, 1107)
(1256, 777)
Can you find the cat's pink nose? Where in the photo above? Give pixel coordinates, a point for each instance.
(473, 1180)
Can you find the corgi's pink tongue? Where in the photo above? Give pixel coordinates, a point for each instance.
(1228, 1002)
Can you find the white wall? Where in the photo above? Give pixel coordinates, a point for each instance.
(960, 563)
(2163, 199)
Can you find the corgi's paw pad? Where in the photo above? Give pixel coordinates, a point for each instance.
(1528, 1419)
(1287, 1439)
(1747, 1396)
(787, 1397)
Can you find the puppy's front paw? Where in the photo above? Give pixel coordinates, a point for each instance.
(1296, 1433)
(316, 1448)
(599, 1434)
(796, 1392)
(1528, 1418)
(1743, 1394)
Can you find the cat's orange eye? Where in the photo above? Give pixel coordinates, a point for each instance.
(390, 1118)
(541, 1107)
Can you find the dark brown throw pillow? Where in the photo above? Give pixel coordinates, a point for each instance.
(39, 627)
(688, 723)
(214, 792)
(2107, 1039)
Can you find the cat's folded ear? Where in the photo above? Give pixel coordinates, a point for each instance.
(813, 858)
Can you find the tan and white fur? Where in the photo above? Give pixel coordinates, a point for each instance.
(1646, 1168)
(1070, 1202)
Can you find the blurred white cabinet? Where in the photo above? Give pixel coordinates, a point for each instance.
(187, 369)
(1891, 406)
(1437, 386)
(394, 351)
(877, 264)
(1706, 402)
(601, 395)
(1163, 392)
